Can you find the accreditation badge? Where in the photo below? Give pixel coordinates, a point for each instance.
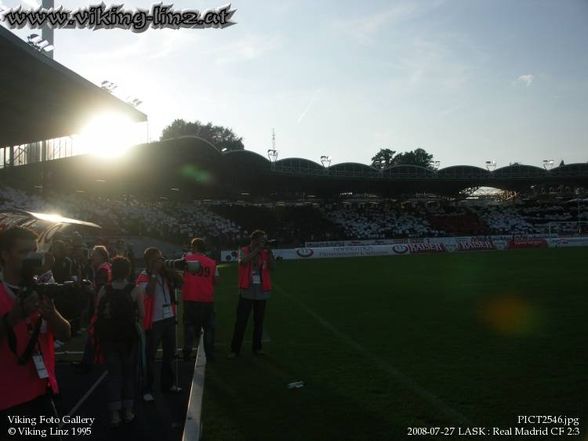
(40, 366)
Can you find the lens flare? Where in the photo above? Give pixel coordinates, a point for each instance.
(509, 314)
(195, 174)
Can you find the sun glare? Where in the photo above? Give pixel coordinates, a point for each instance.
(109, 135)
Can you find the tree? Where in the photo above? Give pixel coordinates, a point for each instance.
(383, 158)
(387, 157)
(221, 137)
(416, 157)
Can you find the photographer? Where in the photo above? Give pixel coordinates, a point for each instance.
(120, 311)
(255, 263)
(62, 266)
(198, 295)
(101, 275)
(101, 268)
(157, 285)
(29, 324)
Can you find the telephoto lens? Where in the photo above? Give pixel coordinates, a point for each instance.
(192, 266)
(175, 264)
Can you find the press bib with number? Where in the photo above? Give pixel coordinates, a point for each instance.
(255, 277)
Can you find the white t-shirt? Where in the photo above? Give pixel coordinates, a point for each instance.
(162, 307)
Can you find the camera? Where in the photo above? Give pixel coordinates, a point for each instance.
(70, 298)
(60, 291)
(192, 266)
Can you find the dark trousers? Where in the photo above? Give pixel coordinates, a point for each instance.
(121, 362)
(89, 352)
(244, 308)
(163, 332)
(39, 406)
(197, 316)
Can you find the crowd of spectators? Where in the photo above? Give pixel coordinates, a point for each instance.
(505, 220)
(227, 224)
(378, 221)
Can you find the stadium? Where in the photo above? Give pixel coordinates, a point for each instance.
(406, 301)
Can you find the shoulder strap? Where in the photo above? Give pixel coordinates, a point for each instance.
(11, 337)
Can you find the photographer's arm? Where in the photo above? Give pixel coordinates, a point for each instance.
(101, 278)
(56, 323)
(272, 261)
(175, 277)
(150, 287)
(249, 257)
(138, 295)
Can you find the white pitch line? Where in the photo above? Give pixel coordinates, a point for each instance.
(245, 342)
(85, 397)
(81, 352)
(424, 394)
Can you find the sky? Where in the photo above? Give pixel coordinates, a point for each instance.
(467, 80)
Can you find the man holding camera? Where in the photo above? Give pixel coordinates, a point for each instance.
(198, 295)
(157, 284)
(101, 276)
(62, 266)
(255, 263)
(29, 324)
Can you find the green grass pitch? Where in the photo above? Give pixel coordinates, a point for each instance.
(384, 344)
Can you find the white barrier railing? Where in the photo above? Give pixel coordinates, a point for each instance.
(193, 423)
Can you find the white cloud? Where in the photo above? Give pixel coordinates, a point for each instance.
(245, 49)
(149, 45)
(363, 29)
(527, 79)
(431, 61)
(308, 106)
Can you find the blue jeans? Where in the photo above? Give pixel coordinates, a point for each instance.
(121, 363)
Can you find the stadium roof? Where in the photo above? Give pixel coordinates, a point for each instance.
(41, 99)
(199, 169)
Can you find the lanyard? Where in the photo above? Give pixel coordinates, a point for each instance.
(166, 297)
(33, 330)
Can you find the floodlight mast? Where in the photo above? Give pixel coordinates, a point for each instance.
(272, 153)
(47, 31)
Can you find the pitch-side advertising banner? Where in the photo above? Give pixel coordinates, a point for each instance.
(433, 245)
(350, 243)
